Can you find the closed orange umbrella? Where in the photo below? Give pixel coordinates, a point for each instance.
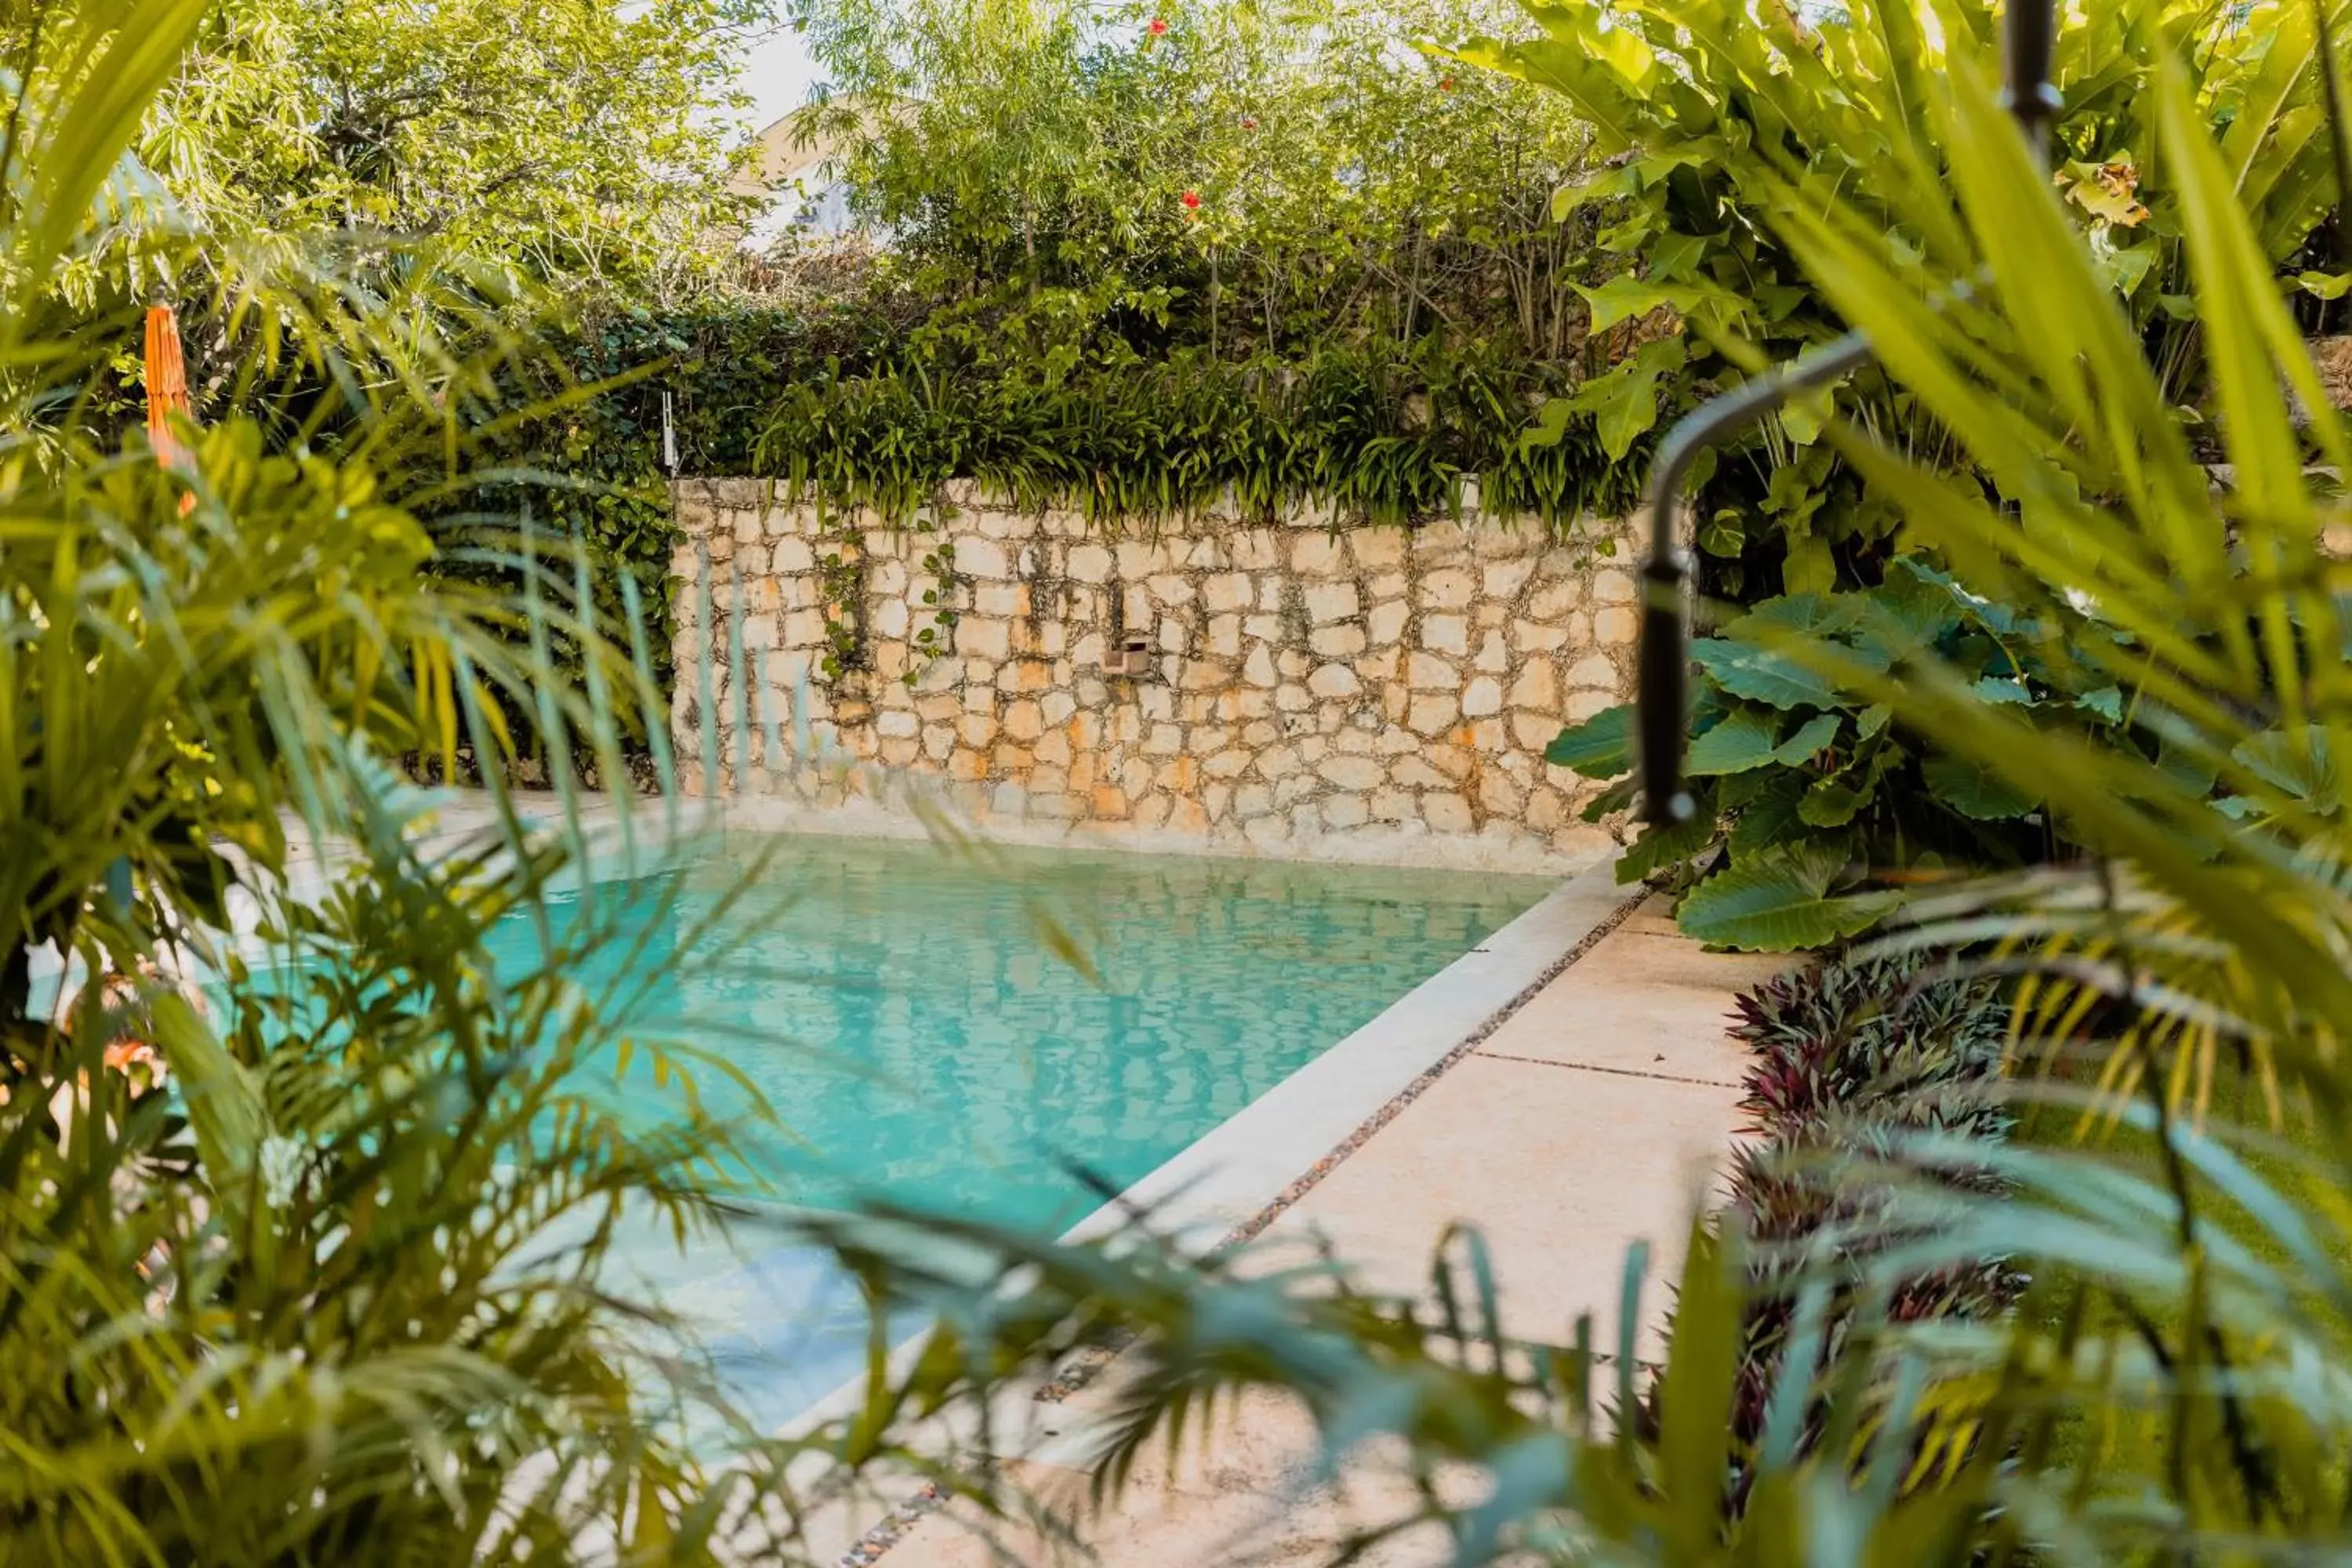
(167, 391)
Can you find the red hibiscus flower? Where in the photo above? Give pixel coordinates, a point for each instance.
(1249, 122)
(1192, 200)
(1158, 27)
(1445, 84)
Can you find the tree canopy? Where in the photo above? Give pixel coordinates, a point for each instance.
(581, 144)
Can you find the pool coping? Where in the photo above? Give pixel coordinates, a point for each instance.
(1233, 1182)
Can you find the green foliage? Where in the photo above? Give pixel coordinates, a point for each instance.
(1712, 118)
(1204, 174)
(1813, 787)
(310, 1269)
(1134, 263)
(555, 137)
(1385, 436)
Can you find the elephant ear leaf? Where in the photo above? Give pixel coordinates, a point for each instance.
(2297, 764)
(1761, 674)
(1974, 790)
(1599, 748)
(1747, 738)
(1662, 848)
(1813, 737)
(1779, 901)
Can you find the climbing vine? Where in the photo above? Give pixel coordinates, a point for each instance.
(935, 639)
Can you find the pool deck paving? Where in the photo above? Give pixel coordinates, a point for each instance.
(1596, 1115)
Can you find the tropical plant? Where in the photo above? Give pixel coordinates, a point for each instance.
(1706, 114)
(1818, 797)
(1380, 436)
(1856, 1059)
(307, 1179)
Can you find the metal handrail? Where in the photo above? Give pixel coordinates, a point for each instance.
(1663, 653)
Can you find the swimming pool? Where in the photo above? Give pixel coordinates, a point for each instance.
(899, 1007)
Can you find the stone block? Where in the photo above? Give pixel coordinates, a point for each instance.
(985, 636)
(1446, 812)
(1552, 600)
(1342, 641)
(1433, 713)
(1502, 580)
(1226, 592)
(1533, 732)
(1446, 634)
(981, 559)
(1379, 549)
(1594, 671)
(1352, 773)
(1318, 555)
(1000, 598)
(1024, 721)
(1452, 588)
(1614, 587)
(1538, 686)
(1334, 681)
(1537, 637)
(1482, 696)
(1328, 602)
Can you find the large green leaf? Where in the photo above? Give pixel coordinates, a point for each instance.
(1599, 748)
(2298, 763)
(1760, 675)
(1663, 848)
(1770, 816)
(1974, 790)
(1623, 403)
(1747, 738)
(1779, 901)
(1814, 737)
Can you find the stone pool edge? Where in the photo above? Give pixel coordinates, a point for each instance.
(1234, 1181)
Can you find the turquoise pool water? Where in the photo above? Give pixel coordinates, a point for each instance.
(901, 1008)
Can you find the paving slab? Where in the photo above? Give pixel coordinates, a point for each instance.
(1561, 1169)
(1648, 1001)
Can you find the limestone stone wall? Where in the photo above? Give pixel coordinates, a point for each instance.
(1367, 693)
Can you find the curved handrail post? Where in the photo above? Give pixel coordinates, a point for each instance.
(1664, 655)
